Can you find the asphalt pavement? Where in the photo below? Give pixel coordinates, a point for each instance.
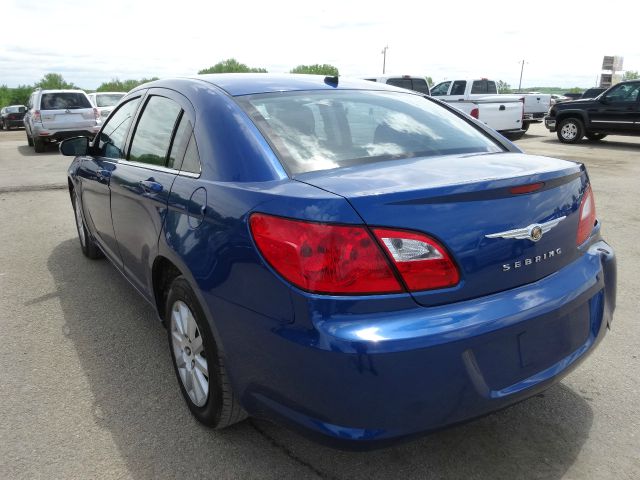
(88, 391)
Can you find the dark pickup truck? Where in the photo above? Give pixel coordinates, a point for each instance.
(616, 111)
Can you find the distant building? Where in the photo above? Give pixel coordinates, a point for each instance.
(610, 66)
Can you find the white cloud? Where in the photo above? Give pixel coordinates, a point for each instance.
(89, 43)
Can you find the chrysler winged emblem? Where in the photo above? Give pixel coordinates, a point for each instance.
(533, 232)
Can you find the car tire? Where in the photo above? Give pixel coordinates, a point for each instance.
(570, 130)
(525, 126)
(29, 139)
(89, 247)
(199, 367)
(595, 137)
(38, 145)
(513, 136)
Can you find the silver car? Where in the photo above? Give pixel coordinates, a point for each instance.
(53, 115)
(105, 102)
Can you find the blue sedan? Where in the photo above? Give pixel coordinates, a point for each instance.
(356, 261)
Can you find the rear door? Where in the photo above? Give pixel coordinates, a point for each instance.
(66, 111)
(617, 110)
(141, 184)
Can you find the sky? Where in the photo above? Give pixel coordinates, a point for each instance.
(89, 43)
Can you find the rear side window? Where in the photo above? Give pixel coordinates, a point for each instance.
(484, 86)
(400, 82)
(313, 131)
(152, 137)
(458, 87)
(64, 101)
(114, 133)
(191, 162)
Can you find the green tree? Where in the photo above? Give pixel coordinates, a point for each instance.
(576, 90)
(15, 96)
(631, 75)
(324, 69)
(231, 65)
(54, 81)
(503, 87)
(429, 81)
(117, 85)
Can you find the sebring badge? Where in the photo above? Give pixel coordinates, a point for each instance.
(533, 232)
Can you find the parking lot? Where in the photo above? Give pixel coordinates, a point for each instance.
(88, 389)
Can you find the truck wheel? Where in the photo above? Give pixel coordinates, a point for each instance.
(570, 130)
(29, 139)
(38, 145)
(594, 137)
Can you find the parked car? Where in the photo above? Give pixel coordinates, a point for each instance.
(592, 92)
(503, 113)
(355, 260)
(105, 102)
(12, 116)
(53, 115)
(410, 82)
(616, 111)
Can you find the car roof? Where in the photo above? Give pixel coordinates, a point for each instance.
(108, 93)
(62, 91)
(237, 84)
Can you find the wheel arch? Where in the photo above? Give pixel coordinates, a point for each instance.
(579, 114)
(163, 272)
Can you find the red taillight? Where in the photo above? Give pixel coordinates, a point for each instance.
(323, 258)
(423, 263)
(475, 112)
(341, 259)
(36, 116)
(532, 187)
(587, 216)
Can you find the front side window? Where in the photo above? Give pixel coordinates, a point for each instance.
(114, 133)
(319, 130)
(627, 93)
(440, 89)
(152, 137)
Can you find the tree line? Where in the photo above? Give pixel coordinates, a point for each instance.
(20, 95)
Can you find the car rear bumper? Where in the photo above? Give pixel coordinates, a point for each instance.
(13, 123)
(365, 380)
(65, 133)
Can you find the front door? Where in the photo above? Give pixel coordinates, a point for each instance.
(141, 184)
(95, 174)
(617, 109)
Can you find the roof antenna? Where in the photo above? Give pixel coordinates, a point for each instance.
(331, 80)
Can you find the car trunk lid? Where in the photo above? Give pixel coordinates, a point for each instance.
(467, 203)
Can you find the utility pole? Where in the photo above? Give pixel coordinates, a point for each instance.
(521, 70)
(384, 59)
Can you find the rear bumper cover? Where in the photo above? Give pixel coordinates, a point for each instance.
(362, 381)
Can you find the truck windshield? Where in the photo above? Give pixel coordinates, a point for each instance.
(323, 130)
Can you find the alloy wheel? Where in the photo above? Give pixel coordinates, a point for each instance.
(189, 354)
(569, 131)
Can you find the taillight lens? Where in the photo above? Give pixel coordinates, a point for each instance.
(423, 263)
(475, 112)
(324, 258)
(36, 116)
(341, 259)
(587, 216)
(96, 114)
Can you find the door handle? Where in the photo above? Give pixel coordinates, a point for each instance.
(150, 186)
(502, 107)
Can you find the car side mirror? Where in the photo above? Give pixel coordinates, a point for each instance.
(73, 147)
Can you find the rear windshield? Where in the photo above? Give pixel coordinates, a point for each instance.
(322, 130)
(108, 100)
(64, 101)
(16, 109)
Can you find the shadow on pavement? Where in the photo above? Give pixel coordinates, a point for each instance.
(123, 352)
(49, 149)
(606, 144)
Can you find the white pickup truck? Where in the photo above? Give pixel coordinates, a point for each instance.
(536, 105)
(503, 114)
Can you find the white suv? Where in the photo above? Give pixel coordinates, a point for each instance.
(105, 102)
(53, 115)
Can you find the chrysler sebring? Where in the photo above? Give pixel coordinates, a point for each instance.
(359, 262)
